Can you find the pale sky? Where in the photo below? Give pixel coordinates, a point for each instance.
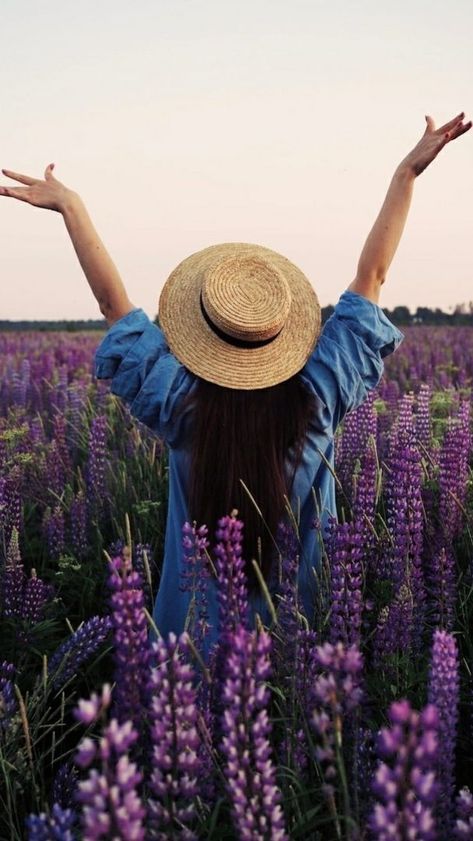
(185, 123)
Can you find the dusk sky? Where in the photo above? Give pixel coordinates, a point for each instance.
(185, 123)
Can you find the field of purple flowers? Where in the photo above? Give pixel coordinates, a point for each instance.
(356, 725)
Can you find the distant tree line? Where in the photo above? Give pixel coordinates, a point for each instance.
(70, 326)
(462, 314)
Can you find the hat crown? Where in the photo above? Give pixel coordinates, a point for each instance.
(246, 297)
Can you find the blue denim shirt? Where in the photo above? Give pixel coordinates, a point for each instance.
(346, 363)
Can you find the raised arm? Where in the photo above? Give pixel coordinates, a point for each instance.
(384, 237)
(98, 266)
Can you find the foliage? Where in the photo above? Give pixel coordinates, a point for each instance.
(287, 731)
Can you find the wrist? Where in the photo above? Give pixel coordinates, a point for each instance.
(405, 171)
(70, 201)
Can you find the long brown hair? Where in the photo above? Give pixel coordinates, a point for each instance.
(251, 436)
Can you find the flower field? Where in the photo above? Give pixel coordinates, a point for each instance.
(355, 723)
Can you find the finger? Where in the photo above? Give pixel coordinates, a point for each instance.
(461, 129)
(48, 172)
(451, 123)
(15, 192)
(24, 179)
(430, 124)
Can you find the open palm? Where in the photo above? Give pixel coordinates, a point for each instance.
(433, 140)
(48, 193)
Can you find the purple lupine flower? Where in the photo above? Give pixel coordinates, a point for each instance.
(13, 552)
(140, 550)
(138, 563)
(453, 463)
(384, 430)
(78, 525)
(36, 596)
(59, 398)
(288, 604)
(294, 741)
(404, 425)
(293, 750)
(194, 576)
(58, 826)
(25, 370)
(176, 766)
(61, 439)
(208, 743)
(390, 394)
(441, 582)
(8, 702)
(76, 400)
(444, 693)
(363, 769)
(13, 579)
(287, 640)
(3, 490)
(463, 829)
(14, 500)
(306, 670)
(56, 478)
(130, 638)
(249, 770)
(423, 422)
(95, 474)
(393, 634)
(116, 548)
(335, 693)
(54, 528)
(3, 458)
(88, 710)
(232, 582)
(37, 434)
(232, 597)
(404, 515)
(23, 598)
(79, 648)
(18, 390)
(359, 426)
(10, 506)
(344, 546)
(102, 394)
(404, 782)
(364, 504)
(64, 785)
(111, 806)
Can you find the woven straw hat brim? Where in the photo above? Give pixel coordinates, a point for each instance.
(199, 348)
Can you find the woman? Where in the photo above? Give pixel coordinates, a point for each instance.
(237, 380)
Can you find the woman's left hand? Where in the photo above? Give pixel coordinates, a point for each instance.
(432, 141)
(50, 193)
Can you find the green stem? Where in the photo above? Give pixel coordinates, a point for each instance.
(341, 767)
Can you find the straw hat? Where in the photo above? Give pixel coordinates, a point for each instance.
(240, 315)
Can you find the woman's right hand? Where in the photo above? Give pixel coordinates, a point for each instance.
(432, 141)
(48, 193)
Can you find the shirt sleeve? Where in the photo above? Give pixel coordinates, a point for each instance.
(144, 372)
(347, 361)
